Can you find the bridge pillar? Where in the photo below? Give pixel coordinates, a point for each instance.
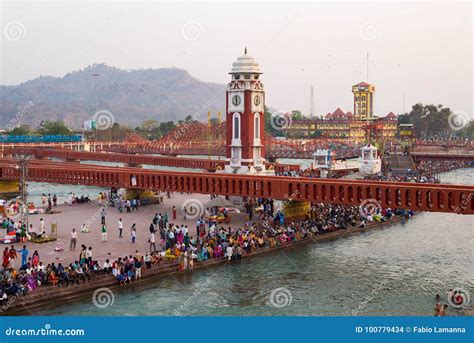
(146, 197)
(9, 188)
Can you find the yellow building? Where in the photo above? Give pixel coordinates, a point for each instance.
(351, 126)
(363, 101)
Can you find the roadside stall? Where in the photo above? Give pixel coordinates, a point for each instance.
(221, 210)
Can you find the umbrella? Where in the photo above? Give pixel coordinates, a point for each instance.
(219, 202)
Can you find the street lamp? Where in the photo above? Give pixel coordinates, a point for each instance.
(95, 91)
(23, 167)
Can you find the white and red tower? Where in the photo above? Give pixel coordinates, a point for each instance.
(245, 118)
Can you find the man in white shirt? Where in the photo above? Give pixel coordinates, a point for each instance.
(32, 230)
(229, 252)
(107, 266)
(89, 255)
(120, 227)
(72, 244)
(42, 226)
(152, 242)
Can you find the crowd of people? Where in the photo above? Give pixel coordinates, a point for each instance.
(430, 169)
(175, 245)
(445, 139)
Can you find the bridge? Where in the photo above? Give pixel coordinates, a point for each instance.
(418, 197)
(200, 139)
(134, 160)
(424, 151)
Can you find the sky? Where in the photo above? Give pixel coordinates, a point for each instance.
(418, 52)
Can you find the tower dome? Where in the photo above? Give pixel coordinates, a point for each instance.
(245, 64)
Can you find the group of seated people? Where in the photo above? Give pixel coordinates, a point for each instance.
(429, 168)
(270, 231)
(217, 243)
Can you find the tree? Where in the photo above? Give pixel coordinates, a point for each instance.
(20, 131)
(432, 120)
(166, 127)
(189, 119)
(57, 127)
(150, 125)
(297, 115)
(316, 134)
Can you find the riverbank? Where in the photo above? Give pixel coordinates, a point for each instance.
(47, 297)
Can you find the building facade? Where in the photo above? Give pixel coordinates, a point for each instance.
(363, 100)
(348, 125)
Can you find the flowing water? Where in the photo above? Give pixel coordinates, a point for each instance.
(397, 270)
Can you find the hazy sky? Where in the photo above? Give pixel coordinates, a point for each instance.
(423, 50)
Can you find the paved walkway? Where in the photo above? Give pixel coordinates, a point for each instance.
(73, 216)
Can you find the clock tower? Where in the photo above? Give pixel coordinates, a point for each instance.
(245, 118)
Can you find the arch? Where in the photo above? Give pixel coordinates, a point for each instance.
(350, 194)
(341, 193)
(236, 126)
(256, 127)
(440, 199)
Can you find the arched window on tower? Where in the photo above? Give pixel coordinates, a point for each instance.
(257, 126)
(236, 126)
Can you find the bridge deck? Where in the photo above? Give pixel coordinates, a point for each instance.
(415, 196)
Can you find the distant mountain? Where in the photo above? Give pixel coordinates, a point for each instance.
(132, 96)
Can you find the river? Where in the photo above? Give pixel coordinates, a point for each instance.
(397, 270)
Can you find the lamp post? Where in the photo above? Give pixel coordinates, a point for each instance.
(95, 92)
(23, 167)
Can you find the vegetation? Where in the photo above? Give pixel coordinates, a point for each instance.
(21, 131)
(432, 120)
(151, 129)
(58, 127)
(49, 127)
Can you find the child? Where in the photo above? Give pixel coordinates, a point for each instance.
(134, 233)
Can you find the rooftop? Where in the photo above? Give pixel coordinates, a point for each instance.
(245, 64)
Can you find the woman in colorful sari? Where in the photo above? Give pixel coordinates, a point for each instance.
(35, 259)
(31, 283)
(218, 254)
(210, 253)
(53, 278)
(181, 263)
(6, 258)
(169, 255)
(180, 237)
(203, 256)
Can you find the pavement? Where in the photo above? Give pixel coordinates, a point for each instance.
(74, 216)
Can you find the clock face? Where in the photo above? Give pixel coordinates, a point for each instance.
(236, 100)
(256, 100)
